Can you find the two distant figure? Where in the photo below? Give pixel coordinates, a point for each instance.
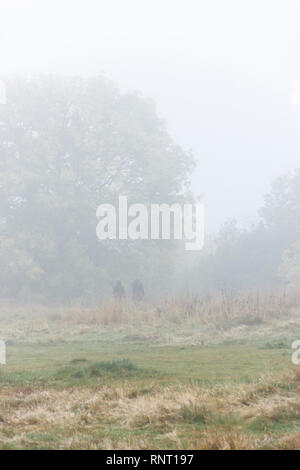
(137, 291)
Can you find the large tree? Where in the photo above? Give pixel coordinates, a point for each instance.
(66, 146)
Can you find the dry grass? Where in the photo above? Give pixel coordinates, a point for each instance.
(209, 319)
(178, 416)
(143, 412)
(220, 309)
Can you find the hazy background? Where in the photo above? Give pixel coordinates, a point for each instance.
(222, 75)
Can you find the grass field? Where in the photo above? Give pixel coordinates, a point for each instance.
(152, 385)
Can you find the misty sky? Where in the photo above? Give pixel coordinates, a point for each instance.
(221, 72)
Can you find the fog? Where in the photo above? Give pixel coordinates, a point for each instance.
(222, 74)
(149, 227)
(148, 100)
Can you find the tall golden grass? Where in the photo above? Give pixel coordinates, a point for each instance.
(223, 308)
(218, 309)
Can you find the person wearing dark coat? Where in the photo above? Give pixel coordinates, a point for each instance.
(119, 291)
(138, 291)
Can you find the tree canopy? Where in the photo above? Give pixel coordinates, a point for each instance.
(68, 145)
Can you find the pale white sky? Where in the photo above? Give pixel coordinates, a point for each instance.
(221, 72)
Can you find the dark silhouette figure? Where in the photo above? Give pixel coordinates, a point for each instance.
(138, 292)
(119, 291)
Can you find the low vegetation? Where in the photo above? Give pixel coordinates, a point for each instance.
(144, 377)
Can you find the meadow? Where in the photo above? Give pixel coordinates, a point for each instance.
(197, 373)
